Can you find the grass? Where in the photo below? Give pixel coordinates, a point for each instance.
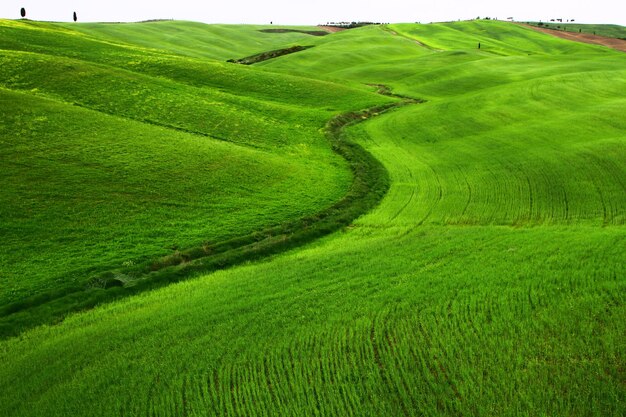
(488, 281)
(221, 42)
(499, 38)
(446, 333)
(190, 167)
(127, 204)
(369, 184)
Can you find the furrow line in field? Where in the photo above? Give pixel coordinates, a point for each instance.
(468, 187)
(438, 198)
(408, 200)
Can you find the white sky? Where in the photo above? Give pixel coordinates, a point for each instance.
(316, 11)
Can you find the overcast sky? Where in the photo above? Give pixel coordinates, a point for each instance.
(315, 11)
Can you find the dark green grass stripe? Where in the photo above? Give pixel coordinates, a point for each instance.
(370, 183)
(264, 56)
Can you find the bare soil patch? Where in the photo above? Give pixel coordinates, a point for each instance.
(307, 32)
(614, 43)
(332, 29)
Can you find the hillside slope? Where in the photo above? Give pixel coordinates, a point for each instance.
(221, 42)
(489, 281)
(114, 155)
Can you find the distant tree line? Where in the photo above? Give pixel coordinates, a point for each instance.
(351, 25)
(155, 20)
(556, 21)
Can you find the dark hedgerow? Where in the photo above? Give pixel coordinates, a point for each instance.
(370, 184)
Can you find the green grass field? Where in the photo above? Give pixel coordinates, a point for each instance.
(129, 166)
(489, 280)
(197, 40)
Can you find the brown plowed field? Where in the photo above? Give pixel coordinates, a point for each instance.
(331, 29)
(614, 43)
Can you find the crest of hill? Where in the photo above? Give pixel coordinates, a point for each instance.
(434, 57)
(200, 40)
(125, 107)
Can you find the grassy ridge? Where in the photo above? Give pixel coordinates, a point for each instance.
(198, 40)
(133, 95)
(244, 82)
(172, 163)
(369, 184)
(126, 205)
(488, 282)
(499, 38)
(346, 50)
(431, 61)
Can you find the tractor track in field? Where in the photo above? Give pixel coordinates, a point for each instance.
(404, 206)
(415, 41)
(369, 185)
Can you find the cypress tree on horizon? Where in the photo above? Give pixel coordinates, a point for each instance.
(75, 17)
(23, 12)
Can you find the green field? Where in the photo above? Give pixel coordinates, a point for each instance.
(132, 166)
(489, 280)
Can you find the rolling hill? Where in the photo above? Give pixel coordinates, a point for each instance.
(107, 164)
(488, 281)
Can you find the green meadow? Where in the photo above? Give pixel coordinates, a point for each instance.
(131, 166)
(480, 269)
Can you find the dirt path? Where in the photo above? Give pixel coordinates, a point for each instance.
(332, 29)
(614, 43)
